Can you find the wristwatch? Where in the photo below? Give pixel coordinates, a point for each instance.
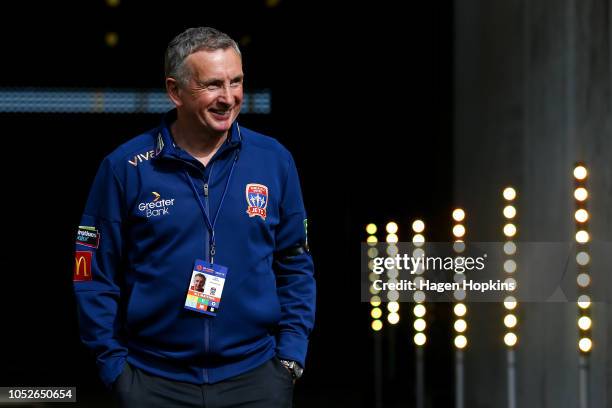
(294, 368)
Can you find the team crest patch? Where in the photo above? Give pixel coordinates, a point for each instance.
(257, 200)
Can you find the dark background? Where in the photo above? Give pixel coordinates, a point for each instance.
(362, 97)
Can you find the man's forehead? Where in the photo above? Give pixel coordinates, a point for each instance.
(216, 62)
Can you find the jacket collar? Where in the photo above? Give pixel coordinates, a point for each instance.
(165, 148)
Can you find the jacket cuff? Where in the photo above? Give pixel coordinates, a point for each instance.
(110, 369)
(292, 346)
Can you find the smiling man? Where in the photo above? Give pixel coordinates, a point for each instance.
(231, 212)
(198, 283)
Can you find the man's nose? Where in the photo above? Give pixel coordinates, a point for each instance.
(226, 96)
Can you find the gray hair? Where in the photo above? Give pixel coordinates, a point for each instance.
(190, 41)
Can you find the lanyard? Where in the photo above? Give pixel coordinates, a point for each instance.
(209, 225)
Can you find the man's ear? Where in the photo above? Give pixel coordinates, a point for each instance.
(174, 91)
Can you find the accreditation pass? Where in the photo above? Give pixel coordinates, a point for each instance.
(205, 287)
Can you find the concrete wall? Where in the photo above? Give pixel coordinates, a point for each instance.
(533, 94)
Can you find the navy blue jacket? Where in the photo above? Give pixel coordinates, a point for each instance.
(141, 232)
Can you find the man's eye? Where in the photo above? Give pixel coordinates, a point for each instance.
(236, 84)
(212, 87)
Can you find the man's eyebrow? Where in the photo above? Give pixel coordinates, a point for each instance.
(209, 81)
(217, 81)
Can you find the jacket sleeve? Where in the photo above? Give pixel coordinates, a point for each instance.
(294, 271)
(98, 255)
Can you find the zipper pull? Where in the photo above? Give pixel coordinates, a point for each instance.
(205, 189)
(212, 253)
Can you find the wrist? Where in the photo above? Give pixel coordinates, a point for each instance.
(293, 367)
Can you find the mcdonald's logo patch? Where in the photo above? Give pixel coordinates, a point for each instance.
(82, 266)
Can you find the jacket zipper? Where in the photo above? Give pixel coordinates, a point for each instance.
(207, 249)
(207, 257)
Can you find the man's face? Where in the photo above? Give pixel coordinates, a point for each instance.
(213, 96)
(199, 283)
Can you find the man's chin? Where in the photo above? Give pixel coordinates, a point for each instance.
(222, 127)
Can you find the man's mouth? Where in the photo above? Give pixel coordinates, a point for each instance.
(222, 113)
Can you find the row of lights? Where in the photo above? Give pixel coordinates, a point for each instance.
(510, 266)
(581, 217)
(392, 274)
(375, 300)
(111, 38)
(583, 280)
(460, 308)
(419, 309)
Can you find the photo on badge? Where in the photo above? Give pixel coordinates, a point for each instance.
(205, 288)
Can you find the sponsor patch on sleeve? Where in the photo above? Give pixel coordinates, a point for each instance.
(88, 236)
(82, 266)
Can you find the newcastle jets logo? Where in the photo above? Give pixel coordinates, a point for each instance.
(257, 200)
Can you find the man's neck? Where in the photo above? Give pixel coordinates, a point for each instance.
(200, 145)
